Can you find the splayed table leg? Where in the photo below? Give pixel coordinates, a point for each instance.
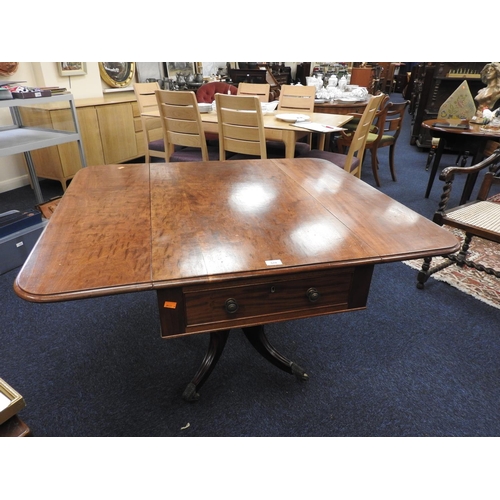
(215, 347)
(257, 337)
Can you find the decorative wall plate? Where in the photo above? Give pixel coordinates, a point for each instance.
(117, 74)
(8, 68)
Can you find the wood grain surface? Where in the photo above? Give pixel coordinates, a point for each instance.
(124, 228)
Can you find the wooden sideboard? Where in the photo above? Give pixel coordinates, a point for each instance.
(110, 127)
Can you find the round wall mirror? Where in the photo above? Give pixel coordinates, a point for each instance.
(117, 74)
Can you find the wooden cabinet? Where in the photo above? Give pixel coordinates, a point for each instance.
(432, 84)
(118, 136)
(110, 127)
(59, 162)
(362, 77)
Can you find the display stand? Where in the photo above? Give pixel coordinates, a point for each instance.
(21, 139)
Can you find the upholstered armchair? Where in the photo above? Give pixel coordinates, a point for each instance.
(206, 93)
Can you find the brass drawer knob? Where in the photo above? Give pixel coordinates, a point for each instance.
(313, 295)
(231, 306)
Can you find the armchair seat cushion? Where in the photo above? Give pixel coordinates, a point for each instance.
(194, 154)
(386, 140)
(158, 145)
(276, 149)
(240, 156)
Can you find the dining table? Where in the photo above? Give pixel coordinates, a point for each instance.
(224, 245)
(280, 126)
(340, 107)
(463, 136)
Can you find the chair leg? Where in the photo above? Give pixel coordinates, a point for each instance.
(375, 166)
(391, 162)
(424, 274)
(462, 255)
(465, 157)
(427, 271)
(460, 259)
(432, 152)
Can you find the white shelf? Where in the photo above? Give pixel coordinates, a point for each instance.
(17, 139)
(9, 103)
(20, 140)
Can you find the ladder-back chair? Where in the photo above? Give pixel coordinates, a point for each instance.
(180, 117)
(352, 161)
(240, 125)
(261, 90)
(152, 128)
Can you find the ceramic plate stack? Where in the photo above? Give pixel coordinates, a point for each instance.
(205, 107)
(292, 118)
(269, 107)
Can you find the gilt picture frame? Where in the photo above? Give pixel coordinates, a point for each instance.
(117, 74)
(72, 68)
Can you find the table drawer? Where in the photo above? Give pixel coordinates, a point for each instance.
(220, 306)
(271, 297)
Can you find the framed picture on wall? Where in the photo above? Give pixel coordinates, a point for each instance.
(72, 68)
(149, 70)
(183, 68)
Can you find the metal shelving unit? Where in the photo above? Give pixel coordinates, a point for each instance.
(21, 139)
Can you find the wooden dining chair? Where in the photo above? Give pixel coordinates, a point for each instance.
(384, 133)
(261, 90)
(296, 98)
(352, 161)
(240, 125)
(389, 128)
(181, 121)
(153, 131)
